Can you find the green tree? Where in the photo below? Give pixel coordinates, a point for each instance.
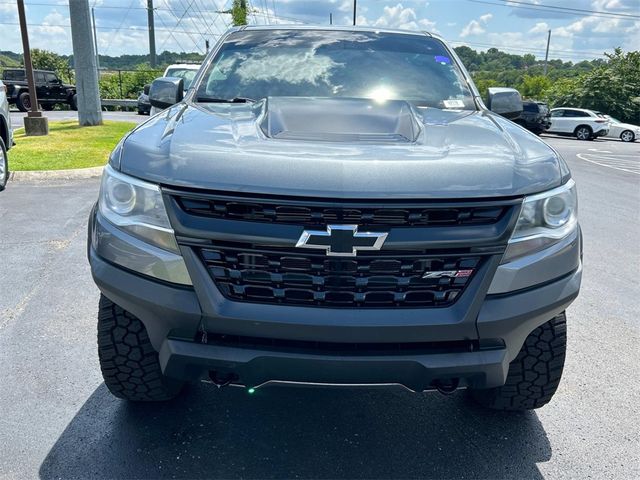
(238, 12)
(534, 86)
(46, 60)
(469, 57)
(126, 84)
(483, 85)
(612, 88)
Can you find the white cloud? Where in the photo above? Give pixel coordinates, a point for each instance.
(50, 34)
(539, 27)
(472, 28)
(398, 16)
(476, 27)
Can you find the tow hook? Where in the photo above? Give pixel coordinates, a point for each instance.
(447, 386)
(222, 380)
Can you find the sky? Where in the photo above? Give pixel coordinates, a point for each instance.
(580, 29)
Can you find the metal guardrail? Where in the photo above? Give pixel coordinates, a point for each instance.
(119, 102)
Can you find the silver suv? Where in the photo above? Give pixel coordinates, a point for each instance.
(6, 136)
(334, 206)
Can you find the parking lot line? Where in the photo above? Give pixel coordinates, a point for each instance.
(625, 163)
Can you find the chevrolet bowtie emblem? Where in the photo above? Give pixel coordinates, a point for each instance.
(341, 240)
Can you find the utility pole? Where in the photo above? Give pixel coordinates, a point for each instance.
(546, 55)
(95, 40)
(34, 122)
(84, 62)
(152, 34)
(354, 11)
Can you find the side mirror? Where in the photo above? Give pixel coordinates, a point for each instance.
(166, 91)
(146, 88)
(505, 101)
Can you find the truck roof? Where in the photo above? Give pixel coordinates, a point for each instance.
(337, 28)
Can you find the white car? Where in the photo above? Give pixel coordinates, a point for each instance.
(578, 122)
(6, 136)
(624, 131)
(185, 71)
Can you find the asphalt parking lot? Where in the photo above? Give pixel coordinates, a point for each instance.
(58, 420)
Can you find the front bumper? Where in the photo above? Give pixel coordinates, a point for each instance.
(175, 316)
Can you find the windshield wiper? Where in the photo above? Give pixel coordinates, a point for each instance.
(225, 100)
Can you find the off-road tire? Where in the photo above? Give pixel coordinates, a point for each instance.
(534, 375)
(73, 102)
(129, 364)
(23, 102)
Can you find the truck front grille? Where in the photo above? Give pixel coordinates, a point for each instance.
(314, 213)
(291, 277)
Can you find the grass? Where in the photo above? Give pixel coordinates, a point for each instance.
(67, 146)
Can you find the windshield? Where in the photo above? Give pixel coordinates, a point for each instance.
(314, 63)
(186, 74)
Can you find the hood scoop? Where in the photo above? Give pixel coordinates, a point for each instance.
(340, 120)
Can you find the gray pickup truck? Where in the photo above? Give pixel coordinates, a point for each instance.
(336, 207)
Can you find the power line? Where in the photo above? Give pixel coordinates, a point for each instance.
(166, 8)
(170, 35)
(558, 9)
(298, 20)
(573, 52)
(207, 23)
(580, 10)
(265, 9)
(530, 49)
(124, 18)
(192, 18)
(179, 20)
(131, 27)
(573, 55)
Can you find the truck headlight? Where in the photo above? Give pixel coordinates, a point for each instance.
(136, 207)
(545, 219)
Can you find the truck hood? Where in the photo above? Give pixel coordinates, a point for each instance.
(345, 148)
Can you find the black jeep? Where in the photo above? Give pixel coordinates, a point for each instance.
(49, 88)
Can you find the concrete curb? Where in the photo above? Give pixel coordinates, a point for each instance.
(40, 175)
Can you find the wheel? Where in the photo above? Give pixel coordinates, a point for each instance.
(4, 166)
(583, 133)
(140, 112)
(627, 136)
(534, 375)
(129, 364)
(74, 102)
(48, 106)
(23, 102)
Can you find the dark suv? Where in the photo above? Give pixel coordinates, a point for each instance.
(535, 116)
(334, 206)
(51, 91)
